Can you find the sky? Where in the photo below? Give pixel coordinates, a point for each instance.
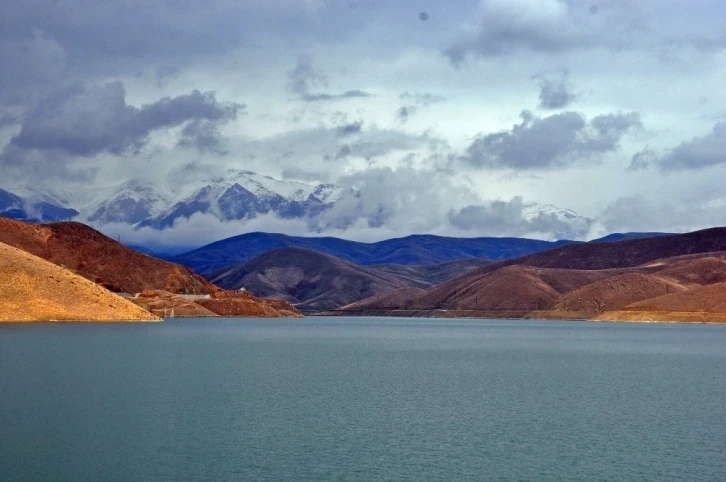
(451, 117)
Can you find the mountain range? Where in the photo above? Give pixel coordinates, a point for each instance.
(422, 249)
(144, 203)
(237, 195)
(326, 273)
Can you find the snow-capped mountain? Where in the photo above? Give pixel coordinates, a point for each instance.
(238, 195)
(11, 205)
(33, 208)
(570, 225)
(140, 202)
(244, 195)
(131, 202)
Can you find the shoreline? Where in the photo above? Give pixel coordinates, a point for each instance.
(688, 318)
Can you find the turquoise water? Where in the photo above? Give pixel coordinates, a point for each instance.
(362, 399)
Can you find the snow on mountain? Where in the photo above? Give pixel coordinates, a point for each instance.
(237, 195)
(28, 204)
(130, 202)
(328, 193)
(11, 205)
(570, 225)
(244, 195)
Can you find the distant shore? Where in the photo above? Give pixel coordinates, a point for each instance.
(622, 316)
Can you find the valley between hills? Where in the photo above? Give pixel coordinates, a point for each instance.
(67, 271)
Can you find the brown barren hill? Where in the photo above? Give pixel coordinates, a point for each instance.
(703, 270)
(615, 292)
(508, 288)
(707, 299)
(32, 289)
(86, 252)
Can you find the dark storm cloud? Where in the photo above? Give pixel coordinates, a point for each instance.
(85, 121)
(306, 81)
(698, 153)
(79, 121)
(509, 217)
(550, 142)
(555, 92)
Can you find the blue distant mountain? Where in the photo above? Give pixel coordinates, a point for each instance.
(410, 250)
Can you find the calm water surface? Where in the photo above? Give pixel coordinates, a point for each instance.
(362, 399)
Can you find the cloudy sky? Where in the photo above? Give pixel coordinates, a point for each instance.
(450, 116)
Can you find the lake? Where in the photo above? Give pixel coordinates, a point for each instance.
(362, 399)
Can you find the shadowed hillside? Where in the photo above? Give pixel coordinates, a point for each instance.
(32, 289)
(314, 281)
(99, 258)
(309, 279)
